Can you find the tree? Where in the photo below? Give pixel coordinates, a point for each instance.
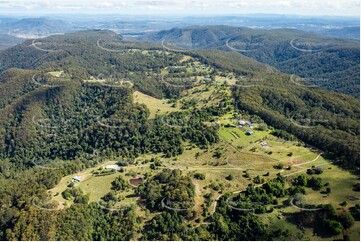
(110, 196)
(343, 204)
(333, 226)
(355, 212)
(262, 127)
(346, 220)
(278, 166)
(199, 176)
(328, 190)
(301, 180)
(217, 154)
(258, 180)
(119, 184)
(229, 177)
(315, 183)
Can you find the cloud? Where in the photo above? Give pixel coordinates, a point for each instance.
(302, 7)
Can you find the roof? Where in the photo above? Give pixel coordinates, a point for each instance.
(112, 167)
(77, 178)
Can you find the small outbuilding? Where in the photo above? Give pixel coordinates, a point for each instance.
(242, 122)
(110, 167)
(264, 144)
(76, 179)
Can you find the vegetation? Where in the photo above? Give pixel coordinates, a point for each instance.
(282, 49)
(63, 124)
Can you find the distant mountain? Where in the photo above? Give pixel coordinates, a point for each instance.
(328, 62)
(34, 26)
(194, 37)
(7, 41)
(346, 32)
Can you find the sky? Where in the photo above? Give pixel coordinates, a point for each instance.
(183, 7)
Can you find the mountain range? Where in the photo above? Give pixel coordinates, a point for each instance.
(328, 62)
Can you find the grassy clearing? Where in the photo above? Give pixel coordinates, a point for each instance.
(263, 143)
(230, 81)
(241, 139)
(56, 73)
(185, 58)
(97, 186)
(341, 184)
(155, 106)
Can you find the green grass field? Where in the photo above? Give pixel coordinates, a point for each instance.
(56, 73)
(97, 186)
(155, 106)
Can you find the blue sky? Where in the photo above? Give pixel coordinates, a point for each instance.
(183, 7)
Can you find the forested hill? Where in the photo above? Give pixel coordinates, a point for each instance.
(98, 54)
(7, 41)
(328, 62)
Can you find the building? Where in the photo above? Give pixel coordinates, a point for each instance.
(242, 122)
(249, 132)
(264, 144)
(115, 167)
(76, 179)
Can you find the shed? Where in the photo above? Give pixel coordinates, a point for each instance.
(115, 167)
(242, 122)
(76, 179)
(264, 144)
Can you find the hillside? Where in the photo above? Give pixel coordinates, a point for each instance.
(102, 138)
(81, 58)
(7, 41)
(330, 63)
(345, 32)
(34, 26)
